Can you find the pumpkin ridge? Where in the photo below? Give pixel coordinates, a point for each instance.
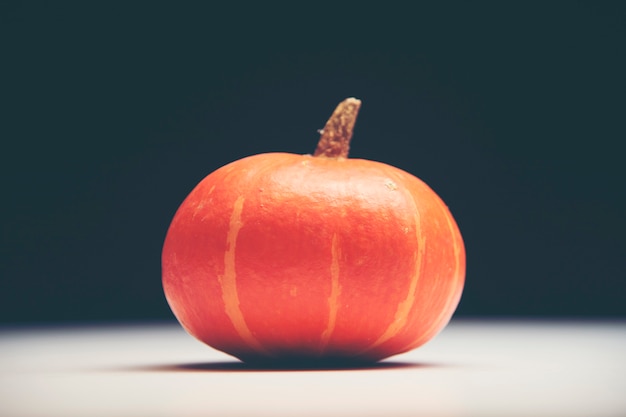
(335, 290)
(404, 307)
(428, 334)
(228, 280)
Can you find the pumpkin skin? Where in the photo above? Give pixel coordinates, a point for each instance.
(284, 257)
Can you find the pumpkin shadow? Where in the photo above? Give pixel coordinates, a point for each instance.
(236, 366)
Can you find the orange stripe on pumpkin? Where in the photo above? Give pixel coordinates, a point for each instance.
(335, 290)
(456, 247)
(404, 307)
(228, 280)
(457, 260)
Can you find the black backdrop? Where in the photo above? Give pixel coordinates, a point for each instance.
(515, 114)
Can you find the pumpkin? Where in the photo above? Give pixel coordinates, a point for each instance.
(281, 257)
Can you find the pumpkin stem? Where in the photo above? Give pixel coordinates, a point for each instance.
(335, 137)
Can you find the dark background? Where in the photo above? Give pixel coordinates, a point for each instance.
(111, 113)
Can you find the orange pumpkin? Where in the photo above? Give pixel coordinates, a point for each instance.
(286, 257)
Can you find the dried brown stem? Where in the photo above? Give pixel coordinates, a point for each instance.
(336, 135)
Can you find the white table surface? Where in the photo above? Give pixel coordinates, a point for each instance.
(473, 368)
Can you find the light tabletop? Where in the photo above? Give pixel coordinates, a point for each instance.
(473, 368)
